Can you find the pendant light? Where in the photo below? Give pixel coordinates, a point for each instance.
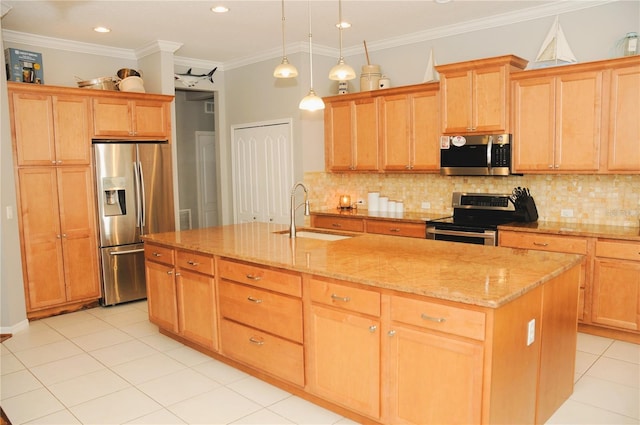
(285, 69)
(341, 71)
(311, 102)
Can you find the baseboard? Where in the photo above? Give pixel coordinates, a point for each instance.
(20, 326)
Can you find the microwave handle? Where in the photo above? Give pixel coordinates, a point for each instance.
(489, 149)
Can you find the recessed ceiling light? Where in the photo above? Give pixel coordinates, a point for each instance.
(219, 9)
(102, 29)
(343, 25)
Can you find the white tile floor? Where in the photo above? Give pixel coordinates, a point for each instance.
(111, 366)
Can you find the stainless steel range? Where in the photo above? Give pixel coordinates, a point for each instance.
(476, 216)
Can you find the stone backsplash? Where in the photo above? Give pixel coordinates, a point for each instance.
(591, 199)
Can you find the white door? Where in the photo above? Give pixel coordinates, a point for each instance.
(206, 179)
(262, 155)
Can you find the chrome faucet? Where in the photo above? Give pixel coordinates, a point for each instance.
(292, 227)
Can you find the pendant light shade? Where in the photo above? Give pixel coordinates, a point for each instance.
(341, 71)
(285, 69)
(311, 102)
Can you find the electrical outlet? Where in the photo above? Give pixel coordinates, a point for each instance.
(566, 213)
(425, 205)
(531, 332)
(9, 213)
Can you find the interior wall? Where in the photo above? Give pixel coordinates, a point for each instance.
(190, 117)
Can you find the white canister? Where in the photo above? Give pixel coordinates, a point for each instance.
(399, 207)
(384, 82)
(391, 206)
(383, 203)
(370, 77)
(372, 201)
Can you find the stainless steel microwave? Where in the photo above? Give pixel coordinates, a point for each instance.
(476, 155)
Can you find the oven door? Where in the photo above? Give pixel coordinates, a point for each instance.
(481, 237)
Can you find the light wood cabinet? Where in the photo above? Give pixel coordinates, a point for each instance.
(562, 244)
(409, 130)
(58, 234)
(261, 318)
(616, 285)
(353, 224)
(196, 296)
(51, 129)
(351, 134)
(557, 121)
(342, 322)
(624, 126)
(475, 95)
(126, 118)
(181, 293)
(162, 297)
(396, 228)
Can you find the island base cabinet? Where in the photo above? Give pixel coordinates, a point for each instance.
(263, 351)
(162, 296)
(196, 298)
(433, 379)
(343, 359)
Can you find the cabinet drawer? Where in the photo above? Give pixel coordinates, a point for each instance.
(265, 352)
(278, 314)
(339, 223)
(383, 227)
(274, 280)
(158, 253)
(444, 318)
(543, 242)
(197, 262)
(618, 249)
(345, 297)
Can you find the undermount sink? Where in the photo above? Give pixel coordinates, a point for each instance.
(316, 235)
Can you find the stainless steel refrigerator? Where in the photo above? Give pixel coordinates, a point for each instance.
(135, 197)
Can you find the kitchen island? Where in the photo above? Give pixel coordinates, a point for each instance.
(378, 328)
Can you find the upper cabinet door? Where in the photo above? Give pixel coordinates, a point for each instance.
(151, 118)
(366, 135)
(71, 119)
(33, 127)
(338, 136)
(456, 102)
(112, 117)
(425, 130)
(624, 124)
(395, 134)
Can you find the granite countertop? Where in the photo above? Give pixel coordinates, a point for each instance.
(466, 273)
(406, 217)
(577, 229)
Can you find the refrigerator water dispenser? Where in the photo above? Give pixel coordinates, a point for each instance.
(114, 196)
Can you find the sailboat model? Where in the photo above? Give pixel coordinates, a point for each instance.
(555, 50)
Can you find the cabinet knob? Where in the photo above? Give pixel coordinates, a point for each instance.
(59, 161)
(391, 333)
(373, 328)
(170, 272)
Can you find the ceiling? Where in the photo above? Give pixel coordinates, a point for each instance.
(252, 29)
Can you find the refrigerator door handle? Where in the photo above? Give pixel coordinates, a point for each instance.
(131, 251)
(136, 183)
(143, 199)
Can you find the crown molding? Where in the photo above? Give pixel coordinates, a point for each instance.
(71, 46)
(530, 14)
(157, 46)
(555, 8)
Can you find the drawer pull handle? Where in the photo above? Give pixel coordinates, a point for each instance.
(157, 254)
(396, 230)
(253, 277)
(254, 300)
(433, 319)
(339, 298)
(336, 224)
(256, 341)
(193, 263)
(541, 244)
